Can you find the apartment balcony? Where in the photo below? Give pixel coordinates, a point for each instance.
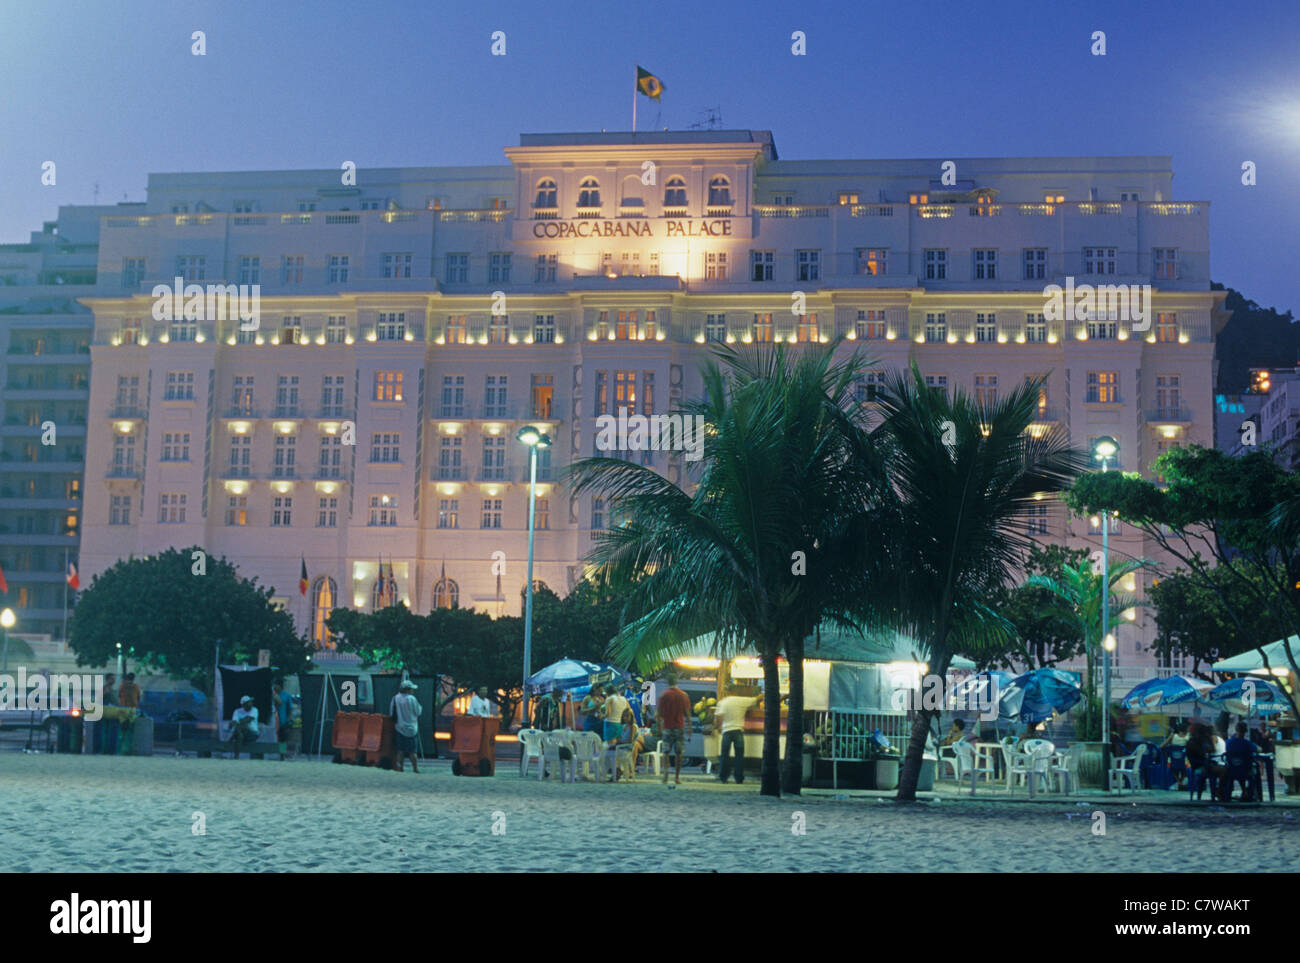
(132, 411)
(791, 210)
(125, 472)
(718, 210)
(494, 474)
(239, 412)
(449, 473)
(521, 412)
(1048, 415)
(9, 501)
(545, 473)
(286, 411)
(36, 393)
(331, 412)
(328, 474)
(546, 213)
(1169, 415)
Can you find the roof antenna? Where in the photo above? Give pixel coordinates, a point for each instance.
(710, 119)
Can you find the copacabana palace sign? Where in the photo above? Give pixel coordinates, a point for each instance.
(635, 227)
(683, 228)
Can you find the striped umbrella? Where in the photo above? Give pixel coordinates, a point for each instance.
(1170, 691)
(1036, 695)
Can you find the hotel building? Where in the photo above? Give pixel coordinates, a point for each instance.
(411, 323)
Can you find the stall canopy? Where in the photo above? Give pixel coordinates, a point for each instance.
(1251, 660)
(834, 643)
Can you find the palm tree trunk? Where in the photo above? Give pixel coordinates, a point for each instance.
(912, 760)
(770, 781)
(792, 778)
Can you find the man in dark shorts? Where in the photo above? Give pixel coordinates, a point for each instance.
(406, 710)
(673, 711)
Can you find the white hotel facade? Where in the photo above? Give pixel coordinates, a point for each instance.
(440, 309)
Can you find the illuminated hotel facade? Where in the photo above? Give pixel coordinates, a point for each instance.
(438, 310)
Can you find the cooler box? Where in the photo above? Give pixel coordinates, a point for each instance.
(474, 742)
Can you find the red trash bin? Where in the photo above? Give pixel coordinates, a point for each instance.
(474, 741)
(346, 735)
(376, 743)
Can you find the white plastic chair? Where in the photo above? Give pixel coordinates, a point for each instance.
(1015, 762)
(948, 756)
(589, 753)
(652, 758)
(1066, 768)
(965, 754)
(1127, 769)
(1038, 765)
(530, 747)
(552, 743)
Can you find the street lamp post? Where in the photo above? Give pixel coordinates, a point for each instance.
(534, 438)
(1104, 449)
(7, 620)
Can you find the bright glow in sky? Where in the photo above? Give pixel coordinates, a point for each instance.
(110, 92)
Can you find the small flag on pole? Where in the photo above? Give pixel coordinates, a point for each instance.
(74, 581)
(648, 84)
(302, 576)
(382, 600)
(4, 586)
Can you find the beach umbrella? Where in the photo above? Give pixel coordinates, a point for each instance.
(1170, 691)
(1034, 696)
(1246, 696)
(566, 674)
(978, 690)
(1251, 658)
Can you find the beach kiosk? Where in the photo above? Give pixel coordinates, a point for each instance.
(1282, 670)
(855, 685)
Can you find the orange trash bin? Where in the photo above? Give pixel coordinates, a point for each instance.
(346, 735)
(474, 741)
(376, 741)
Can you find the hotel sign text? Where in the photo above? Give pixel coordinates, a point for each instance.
(633, 227)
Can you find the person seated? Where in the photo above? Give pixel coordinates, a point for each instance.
(1240, 757)
(956, 734)
(1200, 754)
(1263, 741)
(243, 732)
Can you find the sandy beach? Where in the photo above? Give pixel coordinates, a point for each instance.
(134, 814)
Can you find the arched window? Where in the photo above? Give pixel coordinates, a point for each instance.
(631, 202)
(323, 595)
(675, 192)
(589, 193)
(719, 192)
(446, 594)
(546, 193)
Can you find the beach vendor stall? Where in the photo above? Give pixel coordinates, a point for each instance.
(1281, 670)
(858, 688)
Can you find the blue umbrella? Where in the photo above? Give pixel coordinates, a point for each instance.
(1171, 691)
(979, 691)
(1035, 696)
(1247, 695)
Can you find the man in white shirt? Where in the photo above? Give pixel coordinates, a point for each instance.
(478, 703)
(729, 716)
(406, 710)
(244, 728)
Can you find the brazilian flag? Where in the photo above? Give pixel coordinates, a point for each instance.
(648, 83)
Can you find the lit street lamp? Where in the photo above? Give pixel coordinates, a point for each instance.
(7, 620)
(534, 438)
(1103, 450)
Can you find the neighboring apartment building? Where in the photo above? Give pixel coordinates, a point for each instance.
(44, 381)
(438, 310)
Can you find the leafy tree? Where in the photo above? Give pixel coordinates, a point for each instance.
(962, 479)
(1080, 592)
(174, 618)
(1211, 510)
(1044, 635)
(1254, 337)
(1192, 622)
(780, 493)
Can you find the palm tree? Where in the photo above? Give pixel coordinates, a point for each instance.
(766, 545)
(963, 477)
(1079, 591)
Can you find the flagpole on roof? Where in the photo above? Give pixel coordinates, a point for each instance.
(66, 574)
(636, 80)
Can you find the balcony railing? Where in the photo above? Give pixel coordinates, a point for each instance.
(122, 471)
(495, 473)
(126, 411)
(449, 472)
(790, 210)
(546, 213)
(242, 411)
(1168, 413)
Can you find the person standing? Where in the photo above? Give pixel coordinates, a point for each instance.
(282, 703)
(729, 717)
(128, 697)
(405, 709)
(479, 704)
(546, 712)
(615, 705)
(674, 709)
(591, 704)
(108, 735)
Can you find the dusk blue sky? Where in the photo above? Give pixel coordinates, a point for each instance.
(111, 92)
